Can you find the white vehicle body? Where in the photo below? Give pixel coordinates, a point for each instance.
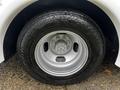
(10, 8)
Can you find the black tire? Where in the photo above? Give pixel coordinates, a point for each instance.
(43, 24)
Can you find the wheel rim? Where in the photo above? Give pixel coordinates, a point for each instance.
(61, 53)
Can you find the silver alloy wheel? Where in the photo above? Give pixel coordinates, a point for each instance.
(61, 53)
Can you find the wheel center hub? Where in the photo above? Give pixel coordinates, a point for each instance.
(61, 44)
(61, 47)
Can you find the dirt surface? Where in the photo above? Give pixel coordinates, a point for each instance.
(13, 77)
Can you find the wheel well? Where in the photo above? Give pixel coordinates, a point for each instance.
(42, 6)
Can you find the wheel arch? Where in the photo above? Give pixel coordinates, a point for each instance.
(26, 14)
(8, 10)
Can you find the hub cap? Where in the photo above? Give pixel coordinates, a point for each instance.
(61, 53)
(61, 44)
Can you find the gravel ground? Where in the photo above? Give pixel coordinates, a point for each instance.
(13, 77)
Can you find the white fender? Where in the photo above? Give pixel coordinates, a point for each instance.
(8, 10)
(112, 9)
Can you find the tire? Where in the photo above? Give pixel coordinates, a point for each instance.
(77, 23)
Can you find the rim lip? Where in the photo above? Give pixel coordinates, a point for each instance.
(58, 69)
